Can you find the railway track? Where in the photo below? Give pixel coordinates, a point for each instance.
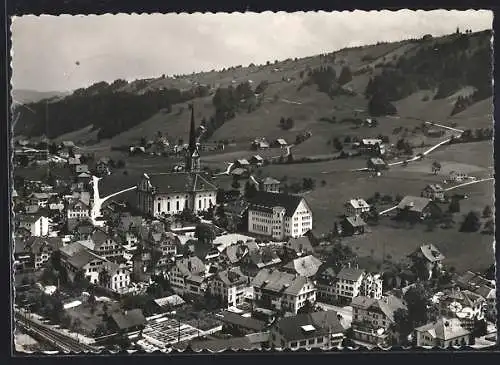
(57, 339)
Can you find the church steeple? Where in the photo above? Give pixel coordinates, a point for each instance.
(193, 155)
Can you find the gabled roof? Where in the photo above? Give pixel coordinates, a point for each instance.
(300, 244)
(431, 253)
(303, 326)
(244, 322)
(377, 161)
(358, 203)
(238, 171)
(265, 201)
(190, 266)
(356, 221)
(270, 181)
(232, 276)
(434, 187)
(279, 281)
(180, 182)
(388, 305)
(414, 203)
(444, 329)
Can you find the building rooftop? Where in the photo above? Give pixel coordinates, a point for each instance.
(358, 203)
(129, 319)
(306, 266)
(414, 203)
(181, 182)
(279, 281)
(350, 273)
(444, 329)
(265, 201)
(244, 322)
(304, 326)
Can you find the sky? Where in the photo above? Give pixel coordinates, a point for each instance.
(62, 53)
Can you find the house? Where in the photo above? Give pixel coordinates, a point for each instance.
(416, 208)
(357, 207)
(304, 331)
(239, 172)
(306, 266)
(102, 167)
(74, 161)
(41, 249)
(483, 287)
(433, 192)
(254, 258)
(299, 246)
(278, 215)
(444, 332)
(171, 193)
(238, 325)
(260, 144)
(257, 160)
(457, 176)
(40, 199)
(270, 185)
(465, 305)
(349, 284)
(427, 258)
(280, 142)
(114, 277)
(353, 225)
(104, 245)
(242, 163)
(77, 209)
(230, 286)
(77, 258)
(188, 276)
(237, 214)
(372, 319)
(376, 164)
(326, 279)
(36, 224)
(282, 291)
(128, 321)
(372, 285)
(372, 145)
(24, 260)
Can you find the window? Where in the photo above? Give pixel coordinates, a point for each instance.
(303, 343)
(159, 206)
(177, 205)
(168, 206)
(311, 341)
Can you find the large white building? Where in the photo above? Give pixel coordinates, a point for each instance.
(37, 225)
(279, 215)
(229, 285)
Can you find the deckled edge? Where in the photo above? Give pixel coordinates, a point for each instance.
(188, 350)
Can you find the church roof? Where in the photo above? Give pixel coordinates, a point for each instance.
(180, 182)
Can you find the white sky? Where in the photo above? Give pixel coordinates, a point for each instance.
(108, 47)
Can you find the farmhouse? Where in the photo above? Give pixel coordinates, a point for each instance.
(353, 225)
(416, 208)
(433, 192)
(282, 291)
(444, 332)
(372, 145)
(257, 160)
(376, 164)
(427, 257)
(278, 215)
(260, 144)
(243, 163)
(457, 176)
(373, 318)
(357, 206)
(280, 142)
(304, 331)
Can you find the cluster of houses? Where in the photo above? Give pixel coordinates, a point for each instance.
(270, 280)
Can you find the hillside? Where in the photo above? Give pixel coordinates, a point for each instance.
(24, 96)
(400, 83)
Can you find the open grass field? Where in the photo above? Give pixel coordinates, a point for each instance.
(90, 321)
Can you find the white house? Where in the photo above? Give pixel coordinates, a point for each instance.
(188, 276)
(279, 215)
(457, 176)
(349, 284)
(171, 193)
(37, 225)
(433, 192)
(230, 285)
(443, 333)
(78, 209)
(117, 277)
(356, 207)
(283, 291)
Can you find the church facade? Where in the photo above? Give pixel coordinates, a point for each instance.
(171, 193)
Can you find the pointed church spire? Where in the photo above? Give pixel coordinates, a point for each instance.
(192, 132)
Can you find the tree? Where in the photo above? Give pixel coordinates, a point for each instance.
(250, 190)
(471, 223)
(24, 161)
(487, 212)
(489, 227)
(454, 206)
(417, 302)
(345, 76)
(402, 324)
(436, 167)
(104, 278)
(308, 307)
(236, 184)
(337, 144)
(204, 233)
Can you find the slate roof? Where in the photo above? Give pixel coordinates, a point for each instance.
(279, 281)
(265, 201)
(414, 203)
(444, 329)
(180, 182)
(129, 319)
(244, 322)
(324, 323)
(304, 266)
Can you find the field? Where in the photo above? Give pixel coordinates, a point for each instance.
(88, 321)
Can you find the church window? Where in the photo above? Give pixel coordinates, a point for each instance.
(199, 204)
(177, 205)
(159, 206)
(168, 206)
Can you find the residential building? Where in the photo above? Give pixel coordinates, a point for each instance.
(433, 192)
(280, 142)
(349, 284)
(114, 277)
(376, 164)
(270, 185)
(104, 245)
(77, 258)
(372, 145)
(416, 208)
(304, 331)
(128, 321)
(251, 258)
(24, 260)
(41, 249)
(188, 276)
(40, 199)
(353, 225)
(300, 246)
(36, 224)
(428, 259)
(77, 209)
(242, 163)
(278, 215)
(356, 207)
(230, 286)
(462, 304)
(282, 291)
(372, 286)
(326, 279)
(257, 160)
(372, 319)
(260, 144)
(445, 332)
